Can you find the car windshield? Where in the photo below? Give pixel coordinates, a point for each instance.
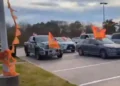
(41, 38)
(106, 41)
(62, 39)
(116, 36)
(108, 36)
(91, 36)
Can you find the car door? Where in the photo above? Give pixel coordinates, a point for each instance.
(31, 45)
(85, 45)
(94, 47)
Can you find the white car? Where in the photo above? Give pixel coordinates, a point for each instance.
(66, 44)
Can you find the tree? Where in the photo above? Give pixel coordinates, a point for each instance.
(109, 25)
(88, 28)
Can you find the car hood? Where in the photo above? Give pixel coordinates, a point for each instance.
(61, 43)
(112, 45)
(45, 42)
(66, 43)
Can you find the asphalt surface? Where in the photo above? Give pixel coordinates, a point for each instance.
(82, 71)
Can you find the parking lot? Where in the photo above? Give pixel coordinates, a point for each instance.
(83, 71)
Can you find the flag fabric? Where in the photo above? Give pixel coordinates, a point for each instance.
(52, 42)
(16, 40)
(17, 26)
(13, 49)
(99, 33)
(17, 33)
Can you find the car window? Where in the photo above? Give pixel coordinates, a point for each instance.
(116, 36)
(92, 41)
(105, 41)
(84, 36)
(41, 39)
(86, 41)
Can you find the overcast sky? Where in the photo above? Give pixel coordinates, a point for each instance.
(87, 11)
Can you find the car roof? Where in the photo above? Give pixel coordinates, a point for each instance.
(87, 34)
(40, 36)
(115, 33)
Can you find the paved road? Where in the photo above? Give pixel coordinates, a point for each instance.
(83, 71)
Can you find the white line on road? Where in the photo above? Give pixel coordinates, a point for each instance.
(82, 67)
(97, 81)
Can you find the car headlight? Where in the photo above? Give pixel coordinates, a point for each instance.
(111, 49)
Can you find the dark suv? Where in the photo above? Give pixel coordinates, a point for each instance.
(38, 46)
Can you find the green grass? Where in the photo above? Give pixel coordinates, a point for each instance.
(31, 75)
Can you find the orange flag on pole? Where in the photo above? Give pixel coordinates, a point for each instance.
(14, 17)
(16, 40)
(99, 33)
(13, 49)
(52, 42)
(17, 33)
(17, 26)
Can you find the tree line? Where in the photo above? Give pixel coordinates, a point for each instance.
(57, 28)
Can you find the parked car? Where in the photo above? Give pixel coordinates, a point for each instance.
(76, 39)
(104, 48)
(67, 44)
(38, 45)
(84, 36)
(108, 36)
(116, 38)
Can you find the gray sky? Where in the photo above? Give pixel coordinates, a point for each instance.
(86, 11)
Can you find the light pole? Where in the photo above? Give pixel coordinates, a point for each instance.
(103, 3)
(5, 80)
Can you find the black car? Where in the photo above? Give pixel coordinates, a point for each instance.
(38, 46)
(104, 48)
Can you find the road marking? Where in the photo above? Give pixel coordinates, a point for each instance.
(97, 81)
(55, 71)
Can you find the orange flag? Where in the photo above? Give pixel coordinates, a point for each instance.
(17, 26)
(16, 40)
(13, 49)
(99, 33)
(17, 33)
(52, 42)
(14, 17)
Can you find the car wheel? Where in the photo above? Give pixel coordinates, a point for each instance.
(72, 51)
(80, 51)
(27, 54)
(103, 54)
(26, 51)
(60, 55)
(37, 56)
